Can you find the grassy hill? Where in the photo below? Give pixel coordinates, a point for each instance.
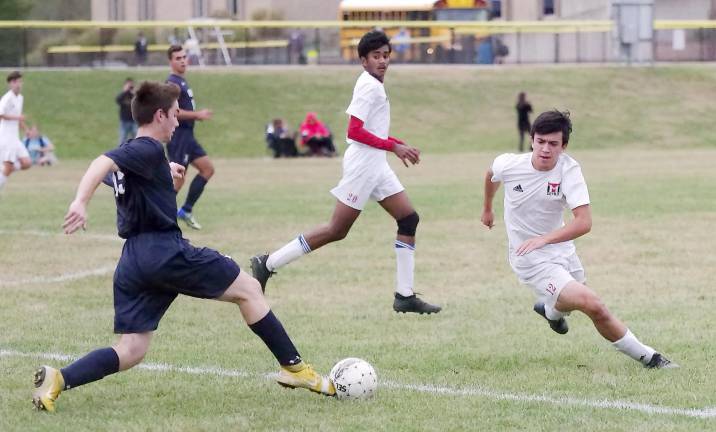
(438, 109)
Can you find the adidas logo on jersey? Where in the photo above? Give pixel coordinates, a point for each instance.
(518, 188)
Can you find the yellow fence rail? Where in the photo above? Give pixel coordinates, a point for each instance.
(74, 49)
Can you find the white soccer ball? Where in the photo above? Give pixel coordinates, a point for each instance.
(354, 379)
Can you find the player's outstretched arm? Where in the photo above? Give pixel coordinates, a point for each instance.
(76, 216)
(577, 227)
(488, 216)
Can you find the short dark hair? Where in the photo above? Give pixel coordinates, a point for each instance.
(151, 97)
(172, 49)
(12, 76)
(553, 121)
(371, 41)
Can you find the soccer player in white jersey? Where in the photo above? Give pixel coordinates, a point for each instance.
(366, 175)
(12, 151)
(538, 188)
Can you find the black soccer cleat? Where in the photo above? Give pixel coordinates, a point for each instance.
(260, 271)
(560, 326)
(413, 304)
(658, 361)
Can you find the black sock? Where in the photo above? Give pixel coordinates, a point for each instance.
(195, 190)
(270, 330)
(92, 367)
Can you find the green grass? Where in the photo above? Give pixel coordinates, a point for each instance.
(650, 255)
(437, 109)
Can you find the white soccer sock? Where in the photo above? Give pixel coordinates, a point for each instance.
(3, 180)
(552, 313)
(293, 250)
(405, 264)
(631, 346)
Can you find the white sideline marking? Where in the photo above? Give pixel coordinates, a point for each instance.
(705, 413)
(61, 278)
(65, 276)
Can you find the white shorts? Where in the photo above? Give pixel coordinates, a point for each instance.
(12, 150)
(547, 279)
(366, 175)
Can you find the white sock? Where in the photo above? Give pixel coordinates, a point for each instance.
(631, 346)
(3, 180)
(552, 313)
(405, 260)
(293, 250)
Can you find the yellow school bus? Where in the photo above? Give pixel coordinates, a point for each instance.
(424, 44)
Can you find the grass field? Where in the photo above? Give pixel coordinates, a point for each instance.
(439, 109)
(487, 362)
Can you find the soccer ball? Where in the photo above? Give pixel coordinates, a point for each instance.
(354, 379)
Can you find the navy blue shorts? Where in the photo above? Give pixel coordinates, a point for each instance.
(154, 268)
(183, 147)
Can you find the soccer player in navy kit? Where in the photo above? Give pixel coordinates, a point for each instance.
(183, 148)
(157, 264)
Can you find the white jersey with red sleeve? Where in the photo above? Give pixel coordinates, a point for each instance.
(535, 202)
(370, 104)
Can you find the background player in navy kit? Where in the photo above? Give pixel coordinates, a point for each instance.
(157, 264)
(183, 147)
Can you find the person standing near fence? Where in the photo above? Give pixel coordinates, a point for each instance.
(127, 125)
(523, 118)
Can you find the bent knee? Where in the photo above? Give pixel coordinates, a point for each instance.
(245, 288)
(131, 354)
(207, 172)
(408, 225)
(596, 309)
(338, 232)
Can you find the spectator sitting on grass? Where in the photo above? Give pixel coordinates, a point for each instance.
(41, 149)
(316, 136)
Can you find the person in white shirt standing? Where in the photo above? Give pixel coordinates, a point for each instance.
(12, 151)
(538, 187)
(366, 175)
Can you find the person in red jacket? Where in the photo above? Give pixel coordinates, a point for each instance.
(366, 175)
(316, 136)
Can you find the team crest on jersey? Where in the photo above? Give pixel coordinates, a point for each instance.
(554, 188)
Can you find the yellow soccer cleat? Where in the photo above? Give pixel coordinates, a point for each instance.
(302, 375)
(48, 386)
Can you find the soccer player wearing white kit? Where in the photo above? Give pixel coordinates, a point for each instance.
(366, 175)
(12, 150)
(538, 188)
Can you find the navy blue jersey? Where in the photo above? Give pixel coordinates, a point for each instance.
(186, 98)
(143, 188)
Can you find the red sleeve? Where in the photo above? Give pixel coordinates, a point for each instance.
(357, 133)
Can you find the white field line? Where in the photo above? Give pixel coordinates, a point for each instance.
(101, 271)
(618, 405)
(64, 277)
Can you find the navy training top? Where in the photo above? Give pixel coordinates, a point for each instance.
(186, 98)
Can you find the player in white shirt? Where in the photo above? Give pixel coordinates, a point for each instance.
(538, 188)
(12, 151)
(366, 175)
